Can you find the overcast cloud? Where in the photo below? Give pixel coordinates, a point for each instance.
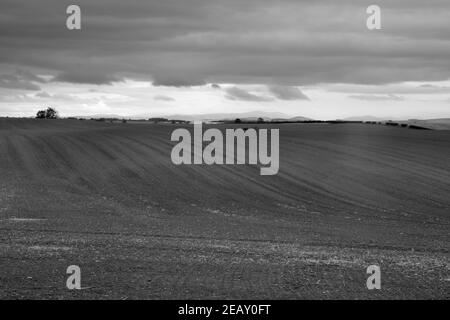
(190, 42)
(235, 93)
(285, 45)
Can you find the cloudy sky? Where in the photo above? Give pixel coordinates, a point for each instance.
(163, 57)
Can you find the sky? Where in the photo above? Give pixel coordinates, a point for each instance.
(151, 58)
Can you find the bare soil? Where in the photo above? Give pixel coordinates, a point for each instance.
(106, 197)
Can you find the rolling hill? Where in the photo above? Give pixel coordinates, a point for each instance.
(106, 197)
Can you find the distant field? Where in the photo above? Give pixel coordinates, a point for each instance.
(435, 124)
(106, 197)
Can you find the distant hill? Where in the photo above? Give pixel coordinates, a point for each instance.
(246, 116)
(105, 116)
(435, 124)
(366, 118)
(299, 119)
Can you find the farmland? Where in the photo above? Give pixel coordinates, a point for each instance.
(106, 197)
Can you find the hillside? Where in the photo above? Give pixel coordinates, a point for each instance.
(435, 124)
(107, 197)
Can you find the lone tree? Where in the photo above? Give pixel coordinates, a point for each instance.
(40, 114)
(50, 113)
(238, 120)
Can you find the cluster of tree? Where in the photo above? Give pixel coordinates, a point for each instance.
(156, 120)
(50, 113)
(165, 120)
(259, 120)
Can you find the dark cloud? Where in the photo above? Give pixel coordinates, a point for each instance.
(9, 83)
(86, 76)
(20, 79)
(161, 97)
(392, 89)
(236, 93)
(56, 97)
(287, 93)
(43, 94)
(192, 42)
(430, 88)
(372, 97)
(177, 82)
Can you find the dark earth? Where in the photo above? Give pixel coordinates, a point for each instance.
(106, 197)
